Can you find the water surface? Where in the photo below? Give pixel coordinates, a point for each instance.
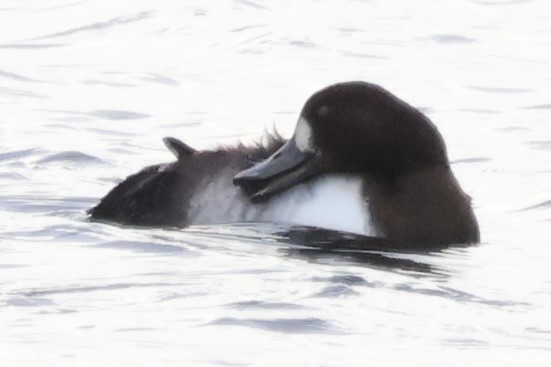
(89, 88)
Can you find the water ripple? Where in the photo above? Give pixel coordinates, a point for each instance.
(451, 38)
(20, 93)
(455, 294)
(71, 156)
(541, 144)
(349, 279)
(101, 25)
(108, 84)
(471, 160)
(499, 89)
(14, 76)
(31, 46)
(539, 107)
(310, 325)
(118, 115)
(18, 154)
(364, 55)
(541, 205)
(26, 302)
(251, 4)
(161, 79)
(87, 289)
(143, 247)
(245, 305)
(335, 291)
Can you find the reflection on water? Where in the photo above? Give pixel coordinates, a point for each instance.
(89, 88)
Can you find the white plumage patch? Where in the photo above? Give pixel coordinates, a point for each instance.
(332, 202)
(303, 135)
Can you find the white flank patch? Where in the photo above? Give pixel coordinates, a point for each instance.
(333, 202)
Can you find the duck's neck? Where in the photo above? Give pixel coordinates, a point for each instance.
(425, 207)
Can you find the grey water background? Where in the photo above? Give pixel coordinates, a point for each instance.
(88, 89)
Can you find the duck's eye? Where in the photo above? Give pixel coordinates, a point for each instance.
(322, 111)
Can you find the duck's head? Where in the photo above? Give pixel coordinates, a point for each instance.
(352, 127)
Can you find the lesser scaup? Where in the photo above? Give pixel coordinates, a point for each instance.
(360, 160)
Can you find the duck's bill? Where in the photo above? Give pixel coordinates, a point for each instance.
(287, 167)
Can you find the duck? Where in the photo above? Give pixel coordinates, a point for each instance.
(360, 160)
